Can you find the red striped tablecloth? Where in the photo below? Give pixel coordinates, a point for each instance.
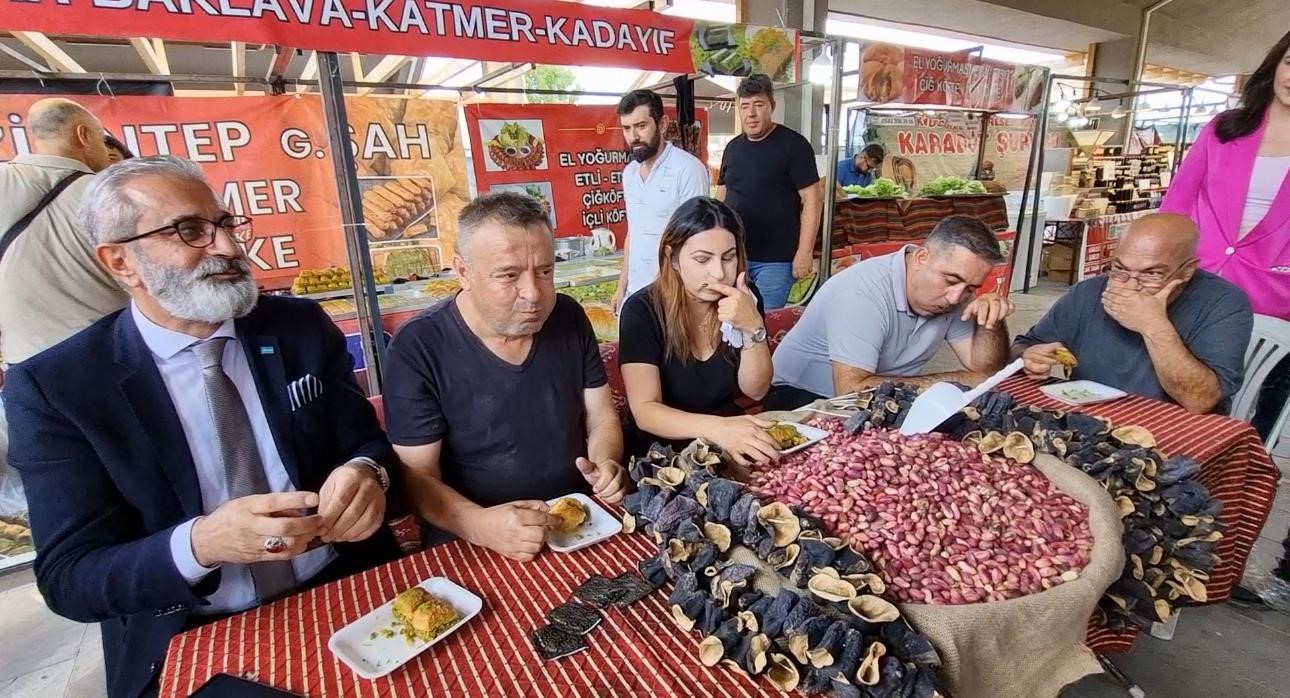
(1233, 465)
(636, 651)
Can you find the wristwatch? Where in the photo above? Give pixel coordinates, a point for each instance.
(757, 336)
(382, 477)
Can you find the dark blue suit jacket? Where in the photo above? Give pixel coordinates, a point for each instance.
(109, 474)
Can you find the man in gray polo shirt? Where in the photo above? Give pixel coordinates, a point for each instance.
(1154, 325)
(885, 318)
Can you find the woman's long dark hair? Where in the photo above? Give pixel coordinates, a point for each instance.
(698, 215)
(1255, 98)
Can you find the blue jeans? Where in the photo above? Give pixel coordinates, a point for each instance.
(773, 280)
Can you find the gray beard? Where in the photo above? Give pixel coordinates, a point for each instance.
(188, 294)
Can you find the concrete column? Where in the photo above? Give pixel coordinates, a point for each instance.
(1114, 59)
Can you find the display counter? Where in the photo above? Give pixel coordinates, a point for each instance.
(1078, 248)
(589, 280)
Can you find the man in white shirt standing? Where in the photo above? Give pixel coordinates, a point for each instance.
(658, 179)
(201, 452)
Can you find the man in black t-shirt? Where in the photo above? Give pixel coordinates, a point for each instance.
(768, 177)
(497, 400)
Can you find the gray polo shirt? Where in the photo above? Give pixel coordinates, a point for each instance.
(861, 318)
(1212, 316)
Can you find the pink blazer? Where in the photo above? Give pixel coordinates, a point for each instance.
(1210, 188)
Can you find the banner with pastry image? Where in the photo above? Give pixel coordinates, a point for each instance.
(905, 75)
(268, 157)
(412, 175)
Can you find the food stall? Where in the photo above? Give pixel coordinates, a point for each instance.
(291, 643)
(1108, 174)
(368, 230)
(958, 133)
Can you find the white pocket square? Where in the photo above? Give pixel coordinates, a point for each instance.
(303, 391)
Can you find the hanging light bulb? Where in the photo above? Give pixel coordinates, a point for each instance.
(1092, 108)
(1144, 105)
(821, 70)
(1119, 112)
(1062, 105)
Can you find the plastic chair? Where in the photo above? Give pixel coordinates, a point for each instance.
(1269, 344)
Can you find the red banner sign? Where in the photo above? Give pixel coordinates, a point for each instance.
(570, 157)
(500, 30)
(890, 73)
(269, 158)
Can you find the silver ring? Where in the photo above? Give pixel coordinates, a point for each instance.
(274, 544)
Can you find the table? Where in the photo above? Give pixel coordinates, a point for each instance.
(1233, 465)
(636, 651)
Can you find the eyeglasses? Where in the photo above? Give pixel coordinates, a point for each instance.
(198, 232)
(1150, 277)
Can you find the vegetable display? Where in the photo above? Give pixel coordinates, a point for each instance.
(950, 186)
(883, 187)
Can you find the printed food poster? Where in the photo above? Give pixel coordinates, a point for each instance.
(741, 49)
(905, 75)
(269, 158)
(569, 157)
(513, 146)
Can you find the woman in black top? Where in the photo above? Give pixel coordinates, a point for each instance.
(676, 336)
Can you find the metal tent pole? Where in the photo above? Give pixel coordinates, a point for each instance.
(350, 198)
(830, 173)
(1035, 168)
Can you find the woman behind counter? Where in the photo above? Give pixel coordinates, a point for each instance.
(1234, 184)
(677, 338)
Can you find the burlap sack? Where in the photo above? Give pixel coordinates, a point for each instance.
(1032, 646)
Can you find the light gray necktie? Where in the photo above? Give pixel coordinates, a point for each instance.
(243, 470)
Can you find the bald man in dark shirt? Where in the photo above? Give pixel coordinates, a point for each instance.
(1153, 325)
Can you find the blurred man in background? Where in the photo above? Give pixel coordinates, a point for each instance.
(659, 178)
(51, 286)
(862, 169)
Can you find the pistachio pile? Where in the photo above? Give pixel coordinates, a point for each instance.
(1170, 519)
(944, 522)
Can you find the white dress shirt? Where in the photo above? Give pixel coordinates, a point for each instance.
(675, 178)
(182, 374)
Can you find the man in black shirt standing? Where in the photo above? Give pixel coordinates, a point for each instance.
(768, 177)
(497, 400)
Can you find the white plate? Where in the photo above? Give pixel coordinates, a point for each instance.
(599, 525)
(373, 658)
(812, 434)
(1067, 392)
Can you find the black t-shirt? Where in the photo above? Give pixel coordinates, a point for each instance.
(700, 387)
(762, 179)
(509, 432)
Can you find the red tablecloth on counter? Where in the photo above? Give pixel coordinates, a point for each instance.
(635, 651)
(1233, 465)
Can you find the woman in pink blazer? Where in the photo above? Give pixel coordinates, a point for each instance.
(1235, 183)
